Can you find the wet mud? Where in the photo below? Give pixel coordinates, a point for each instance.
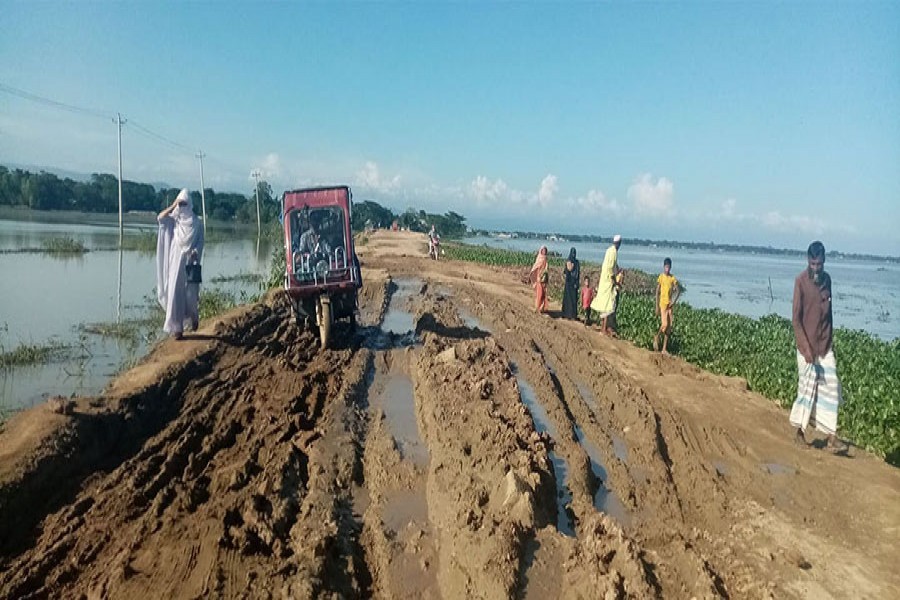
(455, 444)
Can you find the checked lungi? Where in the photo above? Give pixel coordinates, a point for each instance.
(818, 394)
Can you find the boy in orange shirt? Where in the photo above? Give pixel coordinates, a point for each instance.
(666, 295)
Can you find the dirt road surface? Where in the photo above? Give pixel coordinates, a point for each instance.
(455, 445)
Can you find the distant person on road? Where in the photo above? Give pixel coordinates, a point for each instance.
(818, 389)
(539, 278)
(571, 278)
(667, 293)
(605, 300)
(179, 244)
(587, 294)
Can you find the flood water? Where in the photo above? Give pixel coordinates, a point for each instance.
(46, 298)
(866, 292)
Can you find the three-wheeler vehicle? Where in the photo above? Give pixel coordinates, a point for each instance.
(322, 275)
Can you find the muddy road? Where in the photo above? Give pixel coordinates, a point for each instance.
(456, 445)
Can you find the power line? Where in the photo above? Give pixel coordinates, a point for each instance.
(91, 112)
(55, 103)
(160, 137)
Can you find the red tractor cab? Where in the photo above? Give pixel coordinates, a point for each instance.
(322, 275)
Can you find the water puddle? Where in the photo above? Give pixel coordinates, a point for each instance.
(471, 321)
(605, 500)
(587, 395)
(560, 469)
(402, 508)
(778, 469)
(400, 410)
(620, 448)
(398, 320)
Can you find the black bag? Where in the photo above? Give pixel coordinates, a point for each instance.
(194, 274)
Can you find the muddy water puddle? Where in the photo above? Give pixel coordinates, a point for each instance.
(605, 500)
(399, 320)
(403, 508)
(620, 448)
(398, 404)
(560, 468)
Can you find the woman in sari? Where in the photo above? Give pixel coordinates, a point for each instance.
(538, 278)
(572, 278)
(180, 242)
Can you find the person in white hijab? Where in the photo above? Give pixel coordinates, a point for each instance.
(180, 242)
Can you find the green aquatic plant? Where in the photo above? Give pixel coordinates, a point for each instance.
(28, 354)
(763, 352)
(63, 245)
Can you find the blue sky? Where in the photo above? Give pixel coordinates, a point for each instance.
(750, 123)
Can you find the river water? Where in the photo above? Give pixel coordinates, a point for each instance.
(866, 292)
(47, 298)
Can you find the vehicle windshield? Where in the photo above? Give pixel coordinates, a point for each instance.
(317, 230)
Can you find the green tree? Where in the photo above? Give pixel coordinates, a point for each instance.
(370, 212)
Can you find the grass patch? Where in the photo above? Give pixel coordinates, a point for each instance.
(215, 301)
(144, 242)
(238, 278)
(27, 354)
(63, 245)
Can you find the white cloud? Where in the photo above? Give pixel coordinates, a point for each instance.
(370, 177)
(548, 190)
(649, 198)
(485, 190)
(596, 202)
(271, 167)
(774, 220)
(729, 207)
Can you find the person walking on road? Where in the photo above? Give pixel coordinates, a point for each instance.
(179, 244)
(667, 292)
(571, 278)
(604, 302)
(818, 389)
(538, 278)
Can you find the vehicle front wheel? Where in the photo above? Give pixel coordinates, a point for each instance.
(324, 323)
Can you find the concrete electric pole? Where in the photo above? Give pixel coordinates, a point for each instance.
(200, 155)
(255, 174)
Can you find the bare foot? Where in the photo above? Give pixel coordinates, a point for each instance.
(836, 446)
(665, 353)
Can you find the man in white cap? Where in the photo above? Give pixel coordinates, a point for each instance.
(180, 242)
(605, 299)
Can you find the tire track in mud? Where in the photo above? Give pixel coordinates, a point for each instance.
(220, 501)
(589, 410)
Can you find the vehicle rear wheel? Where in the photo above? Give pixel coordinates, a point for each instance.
(324, 323)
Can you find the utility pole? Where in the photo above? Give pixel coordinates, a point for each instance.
(200, 155)
(255, 175)
(119, 121)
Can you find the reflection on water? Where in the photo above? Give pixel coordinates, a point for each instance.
(45, 298)
(866, 292)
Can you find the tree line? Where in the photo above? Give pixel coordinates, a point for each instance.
(100, 194)
(369, 213)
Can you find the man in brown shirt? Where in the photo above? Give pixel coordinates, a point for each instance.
(818, 389)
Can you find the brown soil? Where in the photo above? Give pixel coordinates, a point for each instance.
(246, 462)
